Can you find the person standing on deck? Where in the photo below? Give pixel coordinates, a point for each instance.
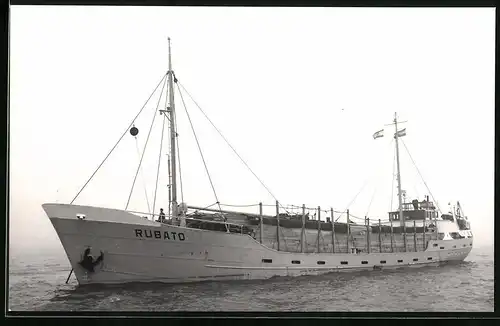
(162, 216)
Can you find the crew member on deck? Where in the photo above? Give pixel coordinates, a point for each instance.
(415, 204)
(162, 216)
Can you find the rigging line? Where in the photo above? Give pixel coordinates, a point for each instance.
(142, 175)
(145, 144)
(179, 157)
(199, 148)
(124, 133)
(195, 211)
(356, 217)
(227, 142)
(375, 190)
(425, 183)
(365, 183)
(159, 159)
(252, 205)
(371, 200)
(310, 208)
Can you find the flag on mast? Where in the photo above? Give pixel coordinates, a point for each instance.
(378, 134)
(401, 133)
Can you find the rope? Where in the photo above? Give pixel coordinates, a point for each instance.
(253, 205)
(371, 200)
(421, 176)
(159, 160)
(308, 208)
(201, 209)
(169, 168)
(366, 182)
(144, 151)
(199, 148)
(227, 142)
(112, 149)
(179, 158)
(359, 218)
(142, 175)
(375, 190)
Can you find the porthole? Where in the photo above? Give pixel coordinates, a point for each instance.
(415, 259)
(382, 261)
(295, 261)
(435, 245)
(320, 262)
(429, 258)
(344, 263)
(267, 260)
(400, 260)
(364, 262)
(441, 247)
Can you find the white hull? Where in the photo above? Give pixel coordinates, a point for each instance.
(139, 250)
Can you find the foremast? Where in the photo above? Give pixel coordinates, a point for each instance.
(173, 133)
(401, 216)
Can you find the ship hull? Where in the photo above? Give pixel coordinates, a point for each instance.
(135, 249)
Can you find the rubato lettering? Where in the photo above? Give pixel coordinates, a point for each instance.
(172, 236)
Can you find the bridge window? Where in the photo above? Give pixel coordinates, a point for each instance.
(267, 260)
(295, 261)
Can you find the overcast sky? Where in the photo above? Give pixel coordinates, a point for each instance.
(298, 92)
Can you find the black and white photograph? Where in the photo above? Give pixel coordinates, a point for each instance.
(250, 159)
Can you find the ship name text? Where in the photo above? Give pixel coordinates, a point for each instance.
(165, 235)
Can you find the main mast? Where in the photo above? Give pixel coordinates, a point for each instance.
(173, 133)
